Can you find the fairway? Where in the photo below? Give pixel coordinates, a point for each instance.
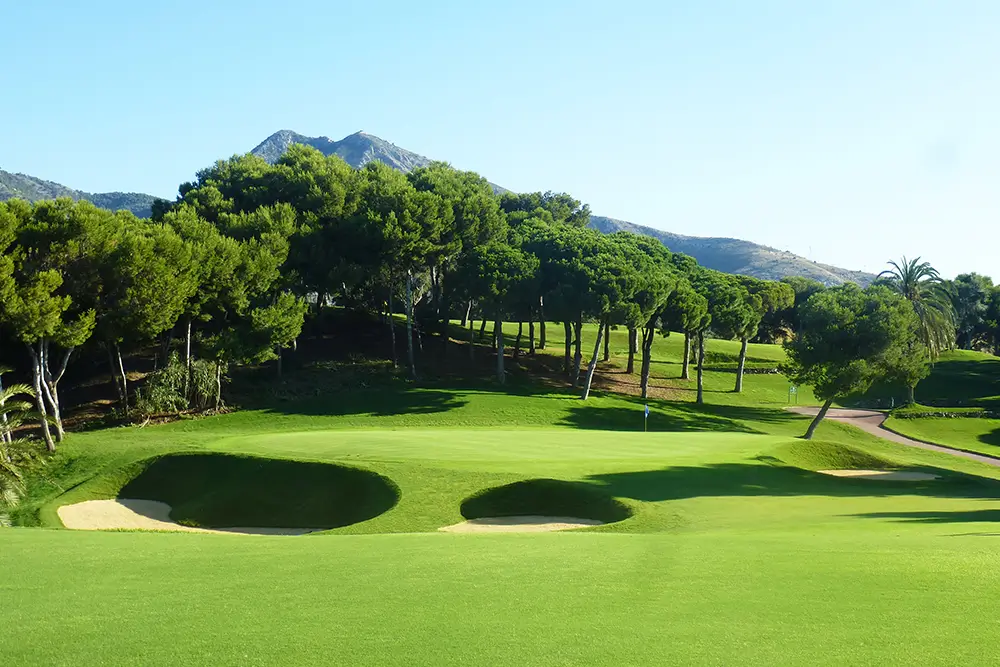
(719, 547)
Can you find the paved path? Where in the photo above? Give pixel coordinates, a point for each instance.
(872, 422)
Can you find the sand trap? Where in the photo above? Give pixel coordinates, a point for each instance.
(126, 514)
(520, 524)
(885, 475)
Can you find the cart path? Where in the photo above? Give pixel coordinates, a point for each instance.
(872, 422)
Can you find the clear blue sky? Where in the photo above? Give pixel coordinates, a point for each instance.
(847, 131)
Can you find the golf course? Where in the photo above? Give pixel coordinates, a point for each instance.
(712, 537)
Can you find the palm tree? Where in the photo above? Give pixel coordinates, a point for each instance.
(13, 451)
(922, 286)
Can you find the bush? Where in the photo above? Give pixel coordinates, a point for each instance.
(164, 390)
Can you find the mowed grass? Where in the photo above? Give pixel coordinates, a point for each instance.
(736, 551)
(969, 433)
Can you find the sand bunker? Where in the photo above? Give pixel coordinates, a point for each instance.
(126, 514)
(520, 524)
(884, 475)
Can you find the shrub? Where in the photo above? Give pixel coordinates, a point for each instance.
(169, 390)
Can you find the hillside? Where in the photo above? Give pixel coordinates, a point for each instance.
(738, 256)
(30, 188)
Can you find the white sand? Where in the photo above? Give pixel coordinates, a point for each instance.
(520, 524)
(126, 514)
(885, 475)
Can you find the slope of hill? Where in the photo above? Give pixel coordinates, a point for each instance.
(738, 256)
(30, 188)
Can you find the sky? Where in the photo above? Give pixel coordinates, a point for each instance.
(849, 132)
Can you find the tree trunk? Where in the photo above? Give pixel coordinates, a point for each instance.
(113, 371)
(392, 331)
(531, 334)
(541, 323)
(468, 313)
(498, 328)
(601, 328)
(607, 337)
(187, 361)
(497, 333)
(5, 429)
(819, 417)
(218, 385)
(50, 385)
(686, 368)
(409, 326)
(647, 354)
(517, 341)
(166, 338)
(911, 390)
(124, 376)
(741, 365)
(482, 328)
(577, 350)
(472, 339)
(633, 334)
(43, 417)
(701, 368)
(567, 330)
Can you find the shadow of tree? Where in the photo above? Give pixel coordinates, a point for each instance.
(759, 479)
(616, 418)
(966, 516)
(991, 438)
(380, 402)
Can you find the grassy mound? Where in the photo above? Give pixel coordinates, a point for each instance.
(219, 490)
(545, 497)
(819, 455)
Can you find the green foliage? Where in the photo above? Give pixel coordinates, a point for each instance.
(171, 389)
(850, 338)
(920, 284)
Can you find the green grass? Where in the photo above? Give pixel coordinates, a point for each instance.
(726, 547)
(968, 433)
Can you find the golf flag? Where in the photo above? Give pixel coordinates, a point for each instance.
(647, 411)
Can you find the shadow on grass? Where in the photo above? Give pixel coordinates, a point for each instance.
(378, 402)
(676, 416)
(991, 438)
(755, 480)
(618, 418)
(966, 516)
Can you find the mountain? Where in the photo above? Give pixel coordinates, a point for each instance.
(30, 188)
(737, 256)
(357, 150)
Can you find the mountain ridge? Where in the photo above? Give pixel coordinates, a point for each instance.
(22, 186)
(731, 255)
